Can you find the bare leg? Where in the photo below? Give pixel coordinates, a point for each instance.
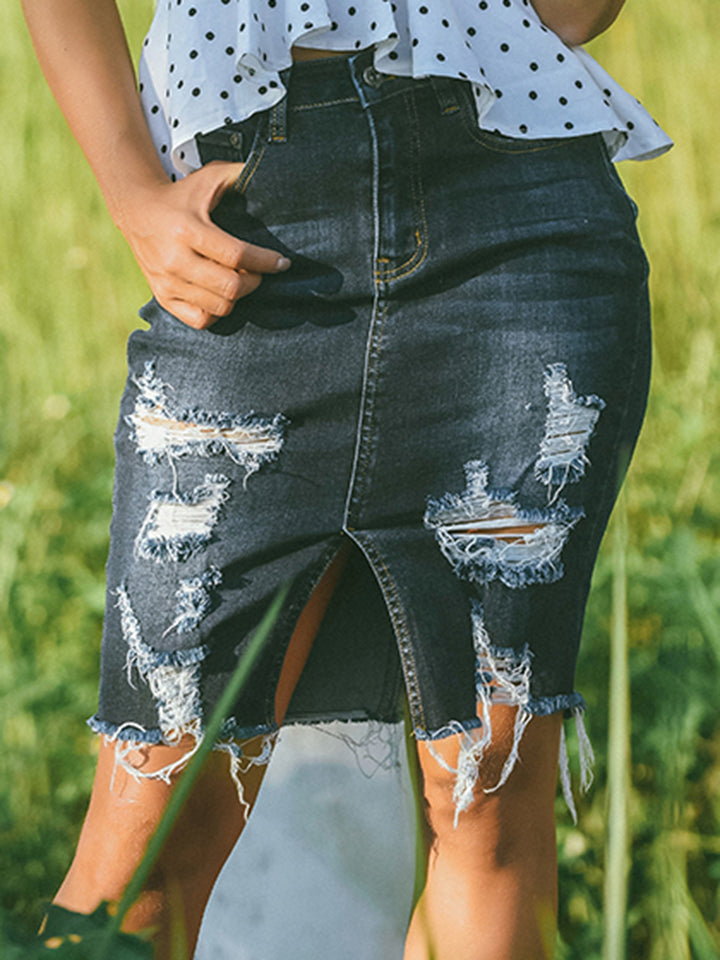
(119, 822)
(491, 891)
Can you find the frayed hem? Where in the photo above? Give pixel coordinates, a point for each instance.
(136, 733)
(378, 750)
(240, 761)
(128, 736)
(453, 727)
(474, 737)
(132, 733)
(537, 706)
(567, 702)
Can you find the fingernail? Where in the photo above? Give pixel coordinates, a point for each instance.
(283, 263)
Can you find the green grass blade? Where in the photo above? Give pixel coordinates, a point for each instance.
(616, 858)
(421, 846)
(705, 945)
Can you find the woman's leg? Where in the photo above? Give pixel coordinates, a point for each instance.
(121, 818)
(491, 891)
(124, 812)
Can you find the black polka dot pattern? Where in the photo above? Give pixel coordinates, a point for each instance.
(211, 63)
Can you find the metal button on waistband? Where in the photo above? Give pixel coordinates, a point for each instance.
(372, 78)
(235, 139)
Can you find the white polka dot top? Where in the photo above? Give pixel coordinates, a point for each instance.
(206, 63)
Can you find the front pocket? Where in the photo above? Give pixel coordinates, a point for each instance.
(498, 142)
(243, 142)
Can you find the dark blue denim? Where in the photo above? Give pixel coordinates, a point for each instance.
(452, 376)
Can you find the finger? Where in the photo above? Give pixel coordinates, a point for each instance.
(188, 313)
(182, 266)
(205, 300)
(263, 260)
(224, 282)
(223, 176)
(215, 244)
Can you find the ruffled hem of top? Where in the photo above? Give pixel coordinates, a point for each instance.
(262, 50)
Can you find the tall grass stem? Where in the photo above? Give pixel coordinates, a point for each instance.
(618, 839)
(421, 846)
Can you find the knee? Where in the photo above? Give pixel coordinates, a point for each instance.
(504, 785)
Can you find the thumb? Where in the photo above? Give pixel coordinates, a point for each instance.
(221, 176)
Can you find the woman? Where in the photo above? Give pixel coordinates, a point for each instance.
(403, 363)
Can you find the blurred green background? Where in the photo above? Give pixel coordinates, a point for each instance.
(69, 291)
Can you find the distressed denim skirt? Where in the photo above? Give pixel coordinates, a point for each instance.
(450, 379)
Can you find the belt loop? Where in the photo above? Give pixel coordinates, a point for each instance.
(446, 91)
(277, 128)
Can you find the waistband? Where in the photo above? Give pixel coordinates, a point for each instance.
(353, 77)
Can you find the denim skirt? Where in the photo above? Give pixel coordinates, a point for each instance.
(450, 379)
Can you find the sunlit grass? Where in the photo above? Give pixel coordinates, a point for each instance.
(68, 296)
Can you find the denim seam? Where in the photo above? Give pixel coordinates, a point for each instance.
(611, 177)
(396, 610)
(278, 126)
(391, 275)
(468, 118)
(494, 147)
(364, 441)
(406, 653)
(350, 498)
(366, 432)
(614, 457)
(257, 152)
(421, 228)
(324, 103)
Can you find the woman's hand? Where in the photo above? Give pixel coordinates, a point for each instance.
(195, 270)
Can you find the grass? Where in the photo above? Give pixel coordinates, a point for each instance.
(68, 296)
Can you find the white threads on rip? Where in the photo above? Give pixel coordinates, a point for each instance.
(570, 423)
(241, 763)
(587, 759)
(487, 536)
(378, 749)
(564, 769)
(503, 677)
(248, 446)
(176, 519)
(177, 527)
(175, 689)
(194, 600)
(161, 431)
